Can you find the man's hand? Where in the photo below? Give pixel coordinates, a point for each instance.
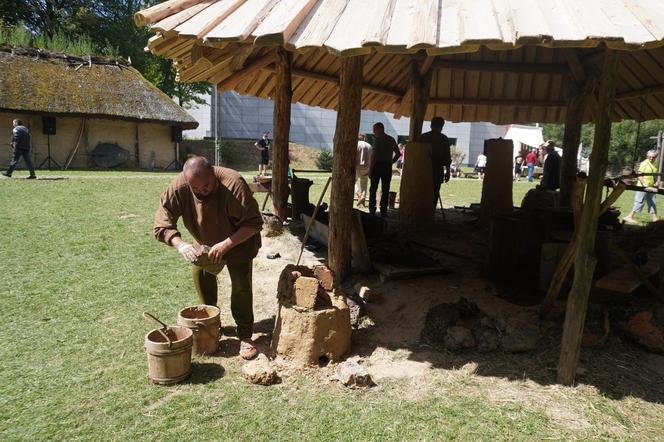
(187, 251)
(218, 251)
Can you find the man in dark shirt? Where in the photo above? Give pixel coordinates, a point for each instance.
(551, 172)
(20, 143)
(219, 211)
(440, 155)
(385, 152)
(263, 145)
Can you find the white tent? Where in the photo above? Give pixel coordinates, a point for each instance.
(530, 136)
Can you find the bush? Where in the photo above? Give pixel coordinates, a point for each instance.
(324, 160)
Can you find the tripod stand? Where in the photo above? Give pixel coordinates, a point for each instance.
(49, 158)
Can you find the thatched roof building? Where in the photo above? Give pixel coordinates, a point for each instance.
(60, 85)
(118, 106)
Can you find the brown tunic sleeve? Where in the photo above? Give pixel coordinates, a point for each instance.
(243, 208)
(166, 218)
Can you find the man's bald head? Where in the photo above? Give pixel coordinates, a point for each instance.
(199, 173)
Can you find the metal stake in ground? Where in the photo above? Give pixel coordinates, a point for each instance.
(313, 218)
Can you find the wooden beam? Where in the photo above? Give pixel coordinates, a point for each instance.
(582, 79)
(576, 106)
(496, 102)
(283, 94)
(162, 10)
(343, 169)
(420, 87)
(254, 66)
(405, 102)
(585, 261)
(515, 68)
(310, 75)
(657, 89)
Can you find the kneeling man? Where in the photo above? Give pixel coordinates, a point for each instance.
(219, 211)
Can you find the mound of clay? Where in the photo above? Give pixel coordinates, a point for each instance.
(313, 324)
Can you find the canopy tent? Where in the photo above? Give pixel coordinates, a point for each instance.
(531, 136)
(503, 61)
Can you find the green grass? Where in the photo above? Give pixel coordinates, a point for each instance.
(79, 266)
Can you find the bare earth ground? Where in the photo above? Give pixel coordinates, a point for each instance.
(620, 376)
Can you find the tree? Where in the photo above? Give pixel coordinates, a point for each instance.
(324, 160)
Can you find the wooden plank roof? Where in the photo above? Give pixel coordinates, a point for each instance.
(504, 61)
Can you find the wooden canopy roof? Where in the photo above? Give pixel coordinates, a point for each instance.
(504, 61)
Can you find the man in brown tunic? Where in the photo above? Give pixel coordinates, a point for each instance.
(218, 209)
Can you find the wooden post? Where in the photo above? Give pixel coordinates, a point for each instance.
(576, 105)
(585, 261)
(283, 94)
(343, 168)
(498, 183)
(416, 212)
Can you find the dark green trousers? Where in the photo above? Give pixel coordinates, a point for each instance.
(242, 307)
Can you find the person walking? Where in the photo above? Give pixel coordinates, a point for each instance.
(362, 167)
(263, 145)
(518, 165)
(480, 164)
(21, 144)
(218, 210)
(441, 157)
(531, 161)
(647, 166)
(385, 152)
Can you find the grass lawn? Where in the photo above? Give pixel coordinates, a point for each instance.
(79, 265)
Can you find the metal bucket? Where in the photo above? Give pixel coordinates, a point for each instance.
(205, 323)
(169, 354)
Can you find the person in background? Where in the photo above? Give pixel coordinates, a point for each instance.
(648, 182)
(362, 168)
(531, 161)
(218, 210)
(518, 165)
(385, 152)
(263, 145)
(480, 164)
(551, 172)
(20, 143)
(402, 150)
(441, 157)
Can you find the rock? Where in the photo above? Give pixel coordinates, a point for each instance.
(325, 277)
(352, 374)
(305, 291)
(356, 310)
(521, 334)
(260, 371)
(459, 338)
(642, 327)
(437, 321)
(313, 337)
(487, 339)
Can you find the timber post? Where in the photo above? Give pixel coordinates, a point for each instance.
(585, 261)
(343, 168)
(416, 212)
(575, 108)
(283, 93)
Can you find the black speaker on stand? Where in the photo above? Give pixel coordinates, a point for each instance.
(176, 137)
(48, 129)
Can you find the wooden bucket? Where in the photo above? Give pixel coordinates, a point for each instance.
(169, 354)
(205, 323)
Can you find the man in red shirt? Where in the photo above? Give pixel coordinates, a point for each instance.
(531, 160)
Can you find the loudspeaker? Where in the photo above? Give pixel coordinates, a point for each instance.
(48, 125)
(176, 134)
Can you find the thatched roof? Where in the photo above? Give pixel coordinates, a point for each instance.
(503, 61)
(56, 84)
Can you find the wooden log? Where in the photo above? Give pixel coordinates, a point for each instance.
(162, 10)
(585, 261)
(281, 121)
(237, 77)
(343, 169)
(417, 206)
(497, 185)
(576, 106)
(517, 68)
(361, 260)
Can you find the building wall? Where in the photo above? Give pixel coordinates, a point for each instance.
(247, 117)
(154, 140)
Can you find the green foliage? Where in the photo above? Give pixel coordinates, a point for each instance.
(324, 160)
(457, 155)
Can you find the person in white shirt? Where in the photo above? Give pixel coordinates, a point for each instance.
(480, 164)
(362, 169)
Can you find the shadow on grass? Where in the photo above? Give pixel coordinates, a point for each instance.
(205, 372)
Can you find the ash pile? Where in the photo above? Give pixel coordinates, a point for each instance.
(463, 326)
